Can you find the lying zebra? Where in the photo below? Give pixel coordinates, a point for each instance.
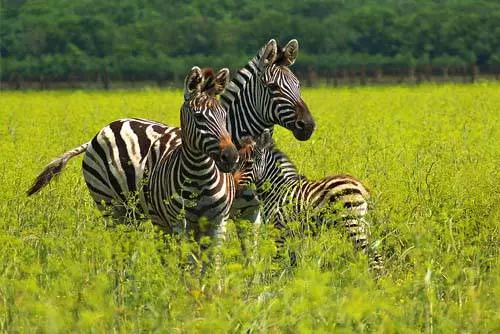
(182, 181)
(286, 196)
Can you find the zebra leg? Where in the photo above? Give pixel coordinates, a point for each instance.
(376, 262)
(246, 206)
(357, 228)
(120, 212)
(219, 236)
(256, 226)
(255, 235)
(357, 232)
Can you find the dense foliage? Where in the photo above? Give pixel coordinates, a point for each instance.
(429, 154)
(158, 40)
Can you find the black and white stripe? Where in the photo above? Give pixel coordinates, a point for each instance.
(287, 196)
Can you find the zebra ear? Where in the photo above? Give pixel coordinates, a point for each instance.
(269, 54)
(193, 81)
(221, 80)
(247, 145)
(291, 50)
(266, 139)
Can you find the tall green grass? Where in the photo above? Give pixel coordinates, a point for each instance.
(430, 156)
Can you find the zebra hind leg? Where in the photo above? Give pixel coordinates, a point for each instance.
(376, 263)
(357, 228)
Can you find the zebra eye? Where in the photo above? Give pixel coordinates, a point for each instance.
(198, 115)
(273, 86)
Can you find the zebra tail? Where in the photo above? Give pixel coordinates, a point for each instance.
(54, 168)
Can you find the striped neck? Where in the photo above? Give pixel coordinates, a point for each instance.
(193, 156)
(248, 103)
(192, 160)
(277, 169)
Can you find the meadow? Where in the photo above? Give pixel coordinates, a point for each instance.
(429, 154)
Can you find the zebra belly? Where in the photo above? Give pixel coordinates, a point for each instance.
(175, 212)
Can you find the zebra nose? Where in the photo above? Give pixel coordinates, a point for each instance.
(300, 124)
(228, 158)
(224, 158)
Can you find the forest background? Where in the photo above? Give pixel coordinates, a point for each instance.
(93, 43)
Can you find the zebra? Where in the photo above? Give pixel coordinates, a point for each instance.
(194, 179)
(263, 93)
(198, 166)
(286, 196)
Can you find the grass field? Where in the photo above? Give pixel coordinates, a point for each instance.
(429, 154)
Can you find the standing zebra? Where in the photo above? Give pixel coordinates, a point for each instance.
(287, 196)
(194, 180)
(263, 93)
(182, 182)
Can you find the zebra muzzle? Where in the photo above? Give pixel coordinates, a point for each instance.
(227, 158)
(304, 124)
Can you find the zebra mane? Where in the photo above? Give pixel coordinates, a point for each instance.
(282, 158)
(265, 142)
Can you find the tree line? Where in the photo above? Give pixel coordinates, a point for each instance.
(136, 40)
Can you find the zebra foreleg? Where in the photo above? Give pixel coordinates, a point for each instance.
(254, 236)
(246, 207)
(219, 236)
(242, 229)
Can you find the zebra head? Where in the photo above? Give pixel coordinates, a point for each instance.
(286, 106)
(243, 171)
(255, 156)
(203, 119)
(263, 158)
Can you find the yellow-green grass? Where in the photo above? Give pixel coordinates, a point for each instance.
(429, 154)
